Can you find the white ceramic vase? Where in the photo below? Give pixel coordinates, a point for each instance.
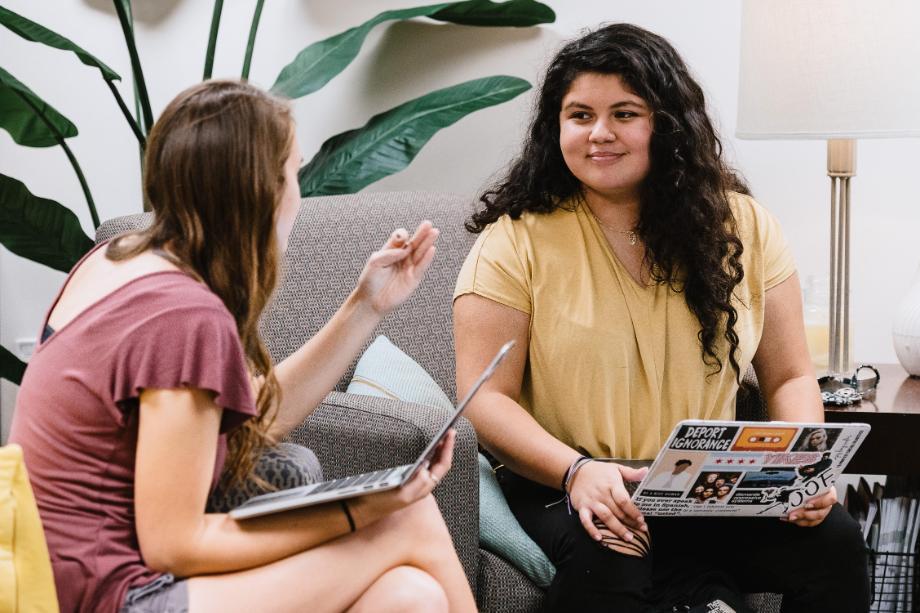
(906, 329)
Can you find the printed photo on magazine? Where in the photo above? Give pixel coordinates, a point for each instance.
(733, 468)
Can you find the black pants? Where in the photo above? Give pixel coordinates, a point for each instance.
(696, 560)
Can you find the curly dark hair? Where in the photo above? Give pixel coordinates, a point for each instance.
(685, 220)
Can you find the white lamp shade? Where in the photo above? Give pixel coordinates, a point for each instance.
(829, 69)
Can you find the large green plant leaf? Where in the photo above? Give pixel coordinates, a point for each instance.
(517, 14)
(39, 229)
(38, 33)
(388, 142)
(11, 367)
(19, 115)
(317, 64)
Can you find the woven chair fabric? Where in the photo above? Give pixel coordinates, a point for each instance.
(503, 588)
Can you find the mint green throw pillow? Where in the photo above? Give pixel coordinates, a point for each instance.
(500, 532)
(385, 371)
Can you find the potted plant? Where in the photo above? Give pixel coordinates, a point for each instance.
(49, 233)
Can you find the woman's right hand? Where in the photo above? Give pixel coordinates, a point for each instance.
(393, 272)
(598, 491)
(368, 509)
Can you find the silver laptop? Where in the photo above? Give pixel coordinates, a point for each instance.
(366, 483)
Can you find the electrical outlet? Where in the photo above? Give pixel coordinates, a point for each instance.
(25, 347)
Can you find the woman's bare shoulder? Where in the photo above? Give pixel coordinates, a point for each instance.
(97, 277)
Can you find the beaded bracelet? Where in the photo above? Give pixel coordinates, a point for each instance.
(574, 467)
(573, 470)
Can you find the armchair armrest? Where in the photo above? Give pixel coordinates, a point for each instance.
(351, 434)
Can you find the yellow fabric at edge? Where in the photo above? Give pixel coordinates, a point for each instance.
(613, 365)
(26, 582)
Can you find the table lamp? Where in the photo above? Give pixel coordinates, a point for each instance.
(835, 70)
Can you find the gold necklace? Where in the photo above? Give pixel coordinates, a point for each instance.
(632, 237)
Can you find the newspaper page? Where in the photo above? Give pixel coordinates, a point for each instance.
(745, 468)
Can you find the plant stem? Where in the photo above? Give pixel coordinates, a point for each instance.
(128, 31)
(250, 45)
(83, 185)
(141, 147)
(212, 39)
(142, 141)
(70, 156)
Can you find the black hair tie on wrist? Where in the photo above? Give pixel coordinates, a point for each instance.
(347, 511)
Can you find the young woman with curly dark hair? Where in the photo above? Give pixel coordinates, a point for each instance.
(640, 281)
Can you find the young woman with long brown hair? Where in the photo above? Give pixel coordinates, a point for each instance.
(151, 379)
(640, 280)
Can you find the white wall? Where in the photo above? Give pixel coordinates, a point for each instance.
(404, 60)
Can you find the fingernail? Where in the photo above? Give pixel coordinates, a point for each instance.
(597, 537)
(809, 506)
(793, 517)
(628, 537)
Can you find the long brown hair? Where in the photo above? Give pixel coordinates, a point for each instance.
(214, 176)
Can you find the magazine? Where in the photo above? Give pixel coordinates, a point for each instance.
(745, 469)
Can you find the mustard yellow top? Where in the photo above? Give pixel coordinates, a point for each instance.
(613, 365)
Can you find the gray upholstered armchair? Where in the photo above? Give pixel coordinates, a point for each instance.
(331, 240)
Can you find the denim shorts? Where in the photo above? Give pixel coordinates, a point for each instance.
(165, 594)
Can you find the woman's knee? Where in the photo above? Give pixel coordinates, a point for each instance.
(636, 543)
(410, 590)
(610, 557)
(842, 532)
(592, 575)
(842, 542)
(422, 518)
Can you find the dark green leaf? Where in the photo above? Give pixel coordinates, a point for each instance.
(317, 64)
(38, 33)
(19, 108)
(388, 142)
(125, 18)
(11, 367)
(39, 229)
(514, 13)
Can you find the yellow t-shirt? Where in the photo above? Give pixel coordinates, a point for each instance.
(613, 365)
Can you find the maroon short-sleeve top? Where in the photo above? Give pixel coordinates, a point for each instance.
(76, 419)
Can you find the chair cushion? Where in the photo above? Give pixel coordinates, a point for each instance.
(26, 581)
(385, 371)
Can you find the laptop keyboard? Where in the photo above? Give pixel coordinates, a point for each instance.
(362, 480)
(365, 480)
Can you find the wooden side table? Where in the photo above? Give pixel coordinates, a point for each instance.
(893, 445)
